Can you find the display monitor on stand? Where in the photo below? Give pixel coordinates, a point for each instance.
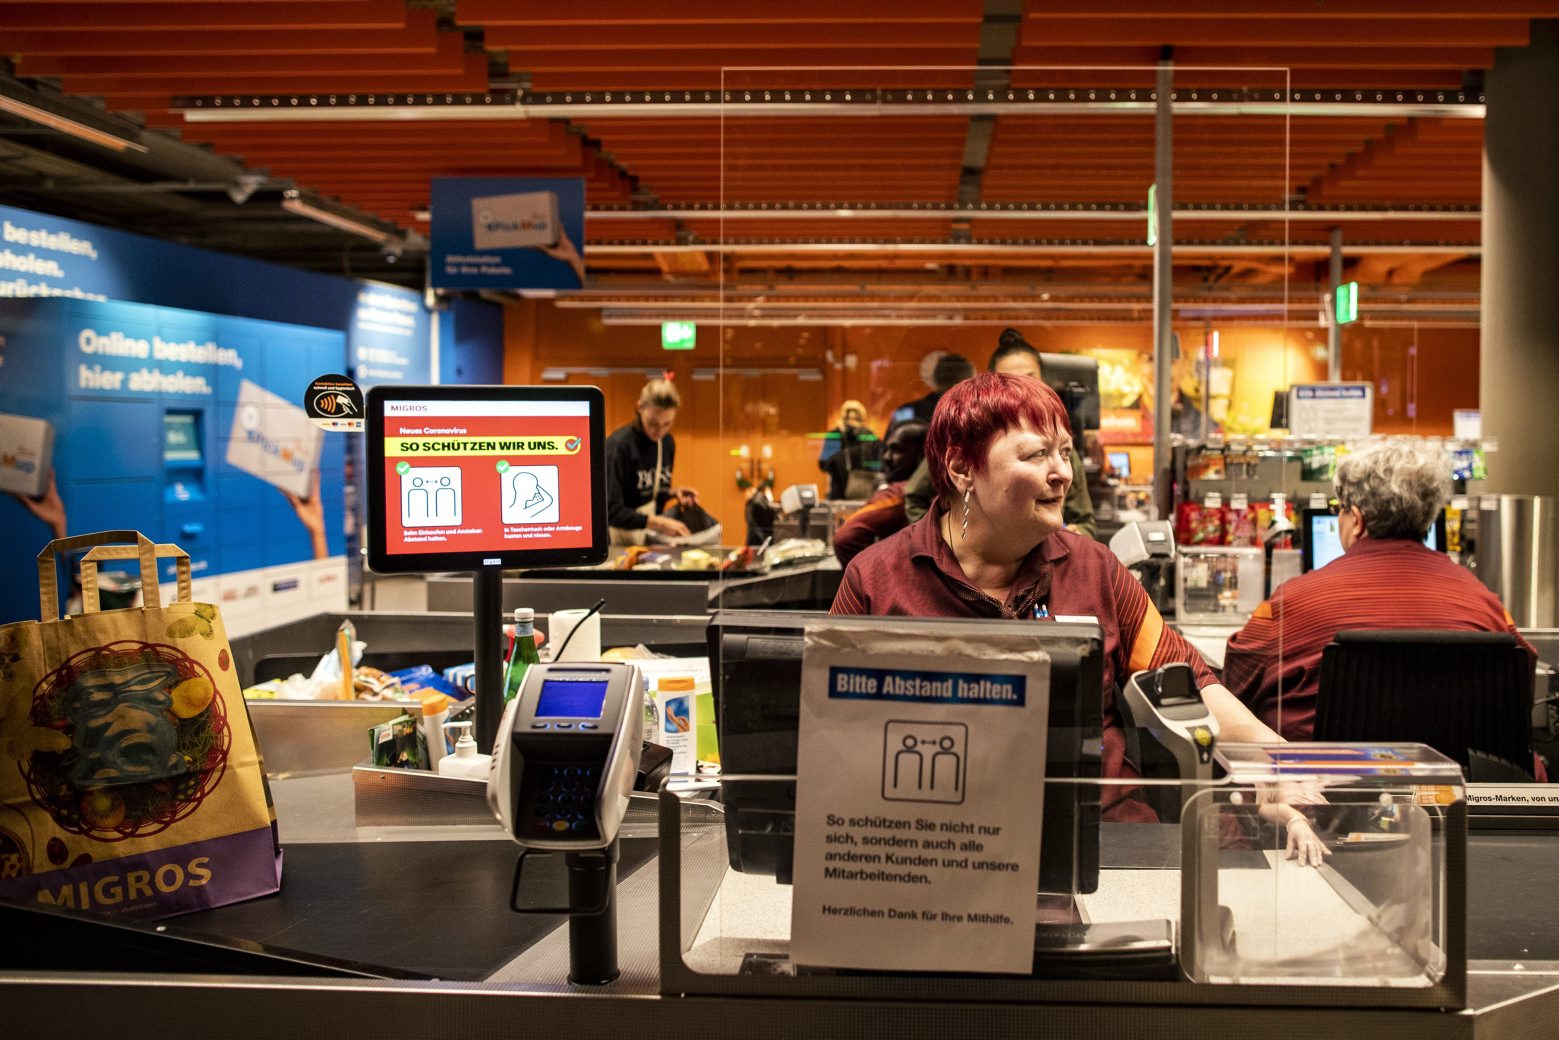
(1075, 379)
(485, 479)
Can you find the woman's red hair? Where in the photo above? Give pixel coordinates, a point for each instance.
(971, 415)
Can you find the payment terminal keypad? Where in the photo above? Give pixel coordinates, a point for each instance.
(562, 805)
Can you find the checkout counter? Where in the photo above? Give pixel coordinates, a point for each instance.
(394, 909)
(802, 586)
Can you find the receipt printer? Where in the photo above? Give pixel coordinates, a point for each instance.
(1176, 731)
(566, 755)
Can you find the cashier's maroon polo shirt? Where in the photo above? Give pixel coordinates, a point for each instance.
(1066, 577)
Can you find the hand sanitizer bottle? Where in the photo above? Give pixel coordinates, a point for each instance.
(466, 762)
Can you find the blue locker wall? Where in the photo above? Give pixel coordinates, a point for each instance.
(470, 343)
(108, 452)
(375, 333)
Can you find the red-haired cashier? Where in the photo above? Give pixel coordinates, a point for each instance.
(994, 545)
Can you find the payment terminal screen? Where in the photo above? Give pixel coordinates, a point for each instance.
(571, 699)
(471, 476)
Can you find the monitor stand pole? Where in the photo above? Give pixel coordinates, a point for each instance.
(487, 611)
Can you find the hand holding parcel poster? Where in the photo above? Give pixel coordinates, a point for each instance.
(918, 800)
(507, 233)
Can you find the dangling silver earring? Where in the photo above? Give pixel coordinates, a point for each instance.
(964, 534)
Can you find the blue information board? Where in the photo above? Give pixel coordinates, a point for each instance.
(507, 233)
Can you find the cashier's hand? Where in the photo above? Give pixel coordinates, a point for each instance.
(687, 498)
(667, 526)
(48, 507)
(1304, 845)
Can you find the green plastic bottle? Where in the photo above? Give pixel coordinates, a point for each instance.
(524, 653)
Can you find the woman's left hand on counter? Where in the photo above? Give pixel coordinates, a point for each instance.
(1304, 845)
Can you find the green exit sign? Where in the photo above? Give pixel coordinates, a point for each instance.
(678, 335)
(1346, 302)
(1152, 214)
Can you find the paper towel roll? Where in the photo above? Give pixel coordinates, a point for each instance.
(585, 645)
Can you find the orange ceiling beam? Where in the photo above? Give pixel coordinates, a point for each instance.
(1185, 77)
(1327, 9)
(713, 12)
(418, 37)
(885, 35)
(679, 58)
(1265, 58)
(473, 77)
(448, 53)
(1287, 32)
(358, 143)
(27, 15)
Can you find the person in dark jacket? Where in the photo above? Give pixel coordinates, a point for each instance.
(883, 513)
(639, 458)
(850, 451)
(951, 369)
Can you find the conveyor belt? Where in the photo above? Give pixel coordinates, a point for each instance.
(1512, 901)
(433, 909)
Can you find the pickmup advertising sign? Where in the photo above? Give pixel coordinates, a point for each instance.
(508, 233)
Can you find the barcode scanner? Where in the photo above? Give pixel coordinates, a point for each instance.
(1164, 706)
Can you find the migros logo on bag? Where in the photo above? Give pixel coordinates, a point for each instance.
(131, 886)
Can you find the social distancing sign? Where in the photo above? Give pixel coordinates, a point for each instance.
(918, 801)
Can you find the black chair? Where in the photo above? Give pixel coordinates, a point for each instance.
(1458, 692)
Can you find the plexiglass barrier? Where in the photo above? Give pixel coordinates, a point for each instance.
(1323, 881)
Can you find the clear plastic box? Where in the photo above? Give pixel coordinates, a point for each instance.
(1218, 584)
(1376, 913)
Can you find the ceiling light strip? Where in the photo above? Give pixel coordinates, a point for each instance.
(888, 320)
(1303, 303)
(987, 248)
(293, 202)
(706, 104)
(1031, 211)
(66, 125)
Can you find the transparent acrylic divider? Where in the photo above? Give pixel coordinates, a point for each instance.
(1206, 905)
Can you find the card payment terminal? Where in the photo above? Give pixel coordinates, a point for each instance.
(563, 768)
(567, 754)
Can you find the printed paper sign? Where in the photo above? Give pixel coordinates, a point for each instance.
(918, 801)
(1467, 424)
(1331, 409)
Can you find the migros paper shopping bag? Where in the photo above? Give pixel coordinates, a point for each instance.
(129, 778)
